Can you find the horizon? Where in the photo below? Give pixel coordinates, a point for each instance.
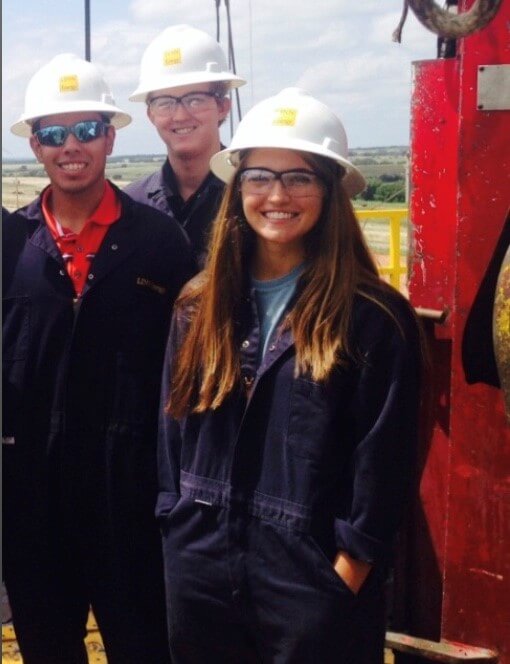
(163, 155)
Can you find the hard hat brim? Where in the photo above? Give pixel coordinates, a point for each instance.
(224, 164)
(185, 78)
(119, 119)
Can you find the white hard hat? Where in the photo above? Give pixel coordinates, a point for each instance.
(294, 120)
(67, 84)
(182, 55)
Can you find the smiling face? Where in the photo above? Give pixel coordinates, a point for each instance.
(190, 135)
(74, 167)
(280, 220)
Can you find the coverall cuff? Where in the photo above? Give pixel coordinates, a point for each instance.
(166, 502)
(358, 544)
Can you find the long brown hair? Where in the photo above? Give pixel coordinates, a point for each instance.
(339, 266)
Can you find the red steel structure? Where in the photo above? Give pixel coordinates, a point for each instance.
(454, 577)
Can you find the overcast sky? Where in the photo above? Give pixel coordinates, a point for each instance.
(339, 50)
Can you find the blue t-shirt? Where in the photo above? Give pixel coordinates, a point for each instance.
(272, 298)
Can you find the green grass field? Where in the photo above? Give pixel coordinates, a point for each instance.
(24, 180)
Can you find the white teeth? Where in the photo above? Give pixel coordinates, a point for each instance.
(183, 130)
(72, 167)
(279, 215)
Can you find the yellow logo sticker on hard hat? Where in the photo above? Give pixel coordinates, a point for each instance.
(285, 117)
(69, 83)
(172, 57)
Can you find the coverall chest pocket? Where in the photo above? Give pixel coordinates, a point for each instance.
(309, 419)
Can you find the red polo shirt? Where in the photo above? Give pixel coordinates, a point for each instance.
(79, 249)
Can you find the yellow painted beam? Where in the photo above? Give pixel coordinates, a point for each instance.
(93, 641)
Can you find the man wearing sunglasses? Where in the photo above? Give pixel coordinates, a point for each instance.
(89, 278)
(184, 80)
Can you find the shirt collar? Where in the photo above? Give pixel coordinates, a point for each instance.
(170, 180)
(106, 213)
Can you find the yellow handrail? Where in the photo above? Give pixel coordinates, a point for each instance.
(395, 217)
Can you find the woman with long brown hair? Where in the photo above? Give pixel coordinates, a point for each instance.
(291, 392)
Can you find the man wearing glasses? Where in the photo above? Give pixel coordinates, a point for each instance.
(184, 80)
(89, 278)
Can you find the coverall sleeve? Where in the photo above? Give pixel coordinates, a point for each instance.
(384, 409)
(169, 432)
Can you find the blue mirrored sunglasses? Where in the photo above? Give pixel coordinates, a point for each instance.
(85, 131)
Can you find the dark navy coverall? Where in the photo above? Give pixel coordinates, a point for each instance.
(160, 190)
(81, 382)
(257, 497)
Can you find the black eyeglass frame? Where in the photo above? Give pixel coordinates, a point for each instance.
(178, 100)
(279, 175)
(100, 128)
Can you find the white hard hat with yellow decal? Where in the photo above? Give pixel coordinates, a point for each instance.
(67, 84)
(182, 55)
(294, 120)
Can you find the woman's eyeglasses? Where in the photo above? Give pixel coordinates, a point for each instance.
(297, 182)
(193, 102)
(85, 131)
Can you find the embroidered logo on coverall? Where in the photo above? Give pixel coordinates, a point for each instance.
(147, 283)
